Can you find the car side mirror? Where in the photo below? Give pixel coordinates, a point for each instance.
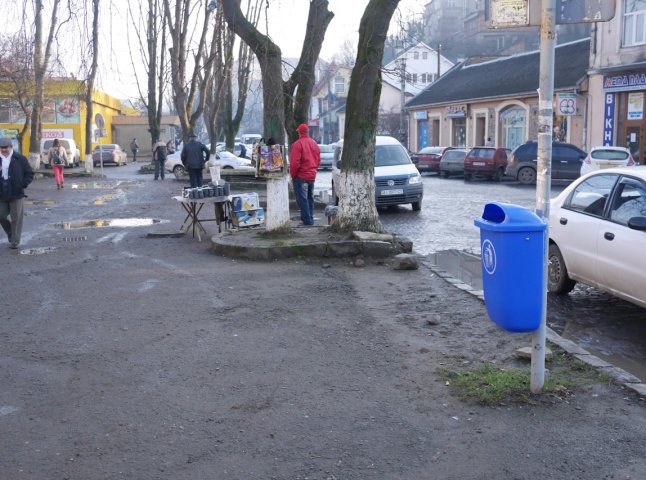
(637, 223)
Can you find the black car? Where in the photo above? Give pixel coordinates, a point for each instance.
(566, 162)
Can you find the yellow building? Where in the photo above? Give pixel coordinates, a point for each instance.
(64, 113)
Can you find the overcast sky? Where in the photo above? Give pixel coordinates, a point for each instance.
(286, 21)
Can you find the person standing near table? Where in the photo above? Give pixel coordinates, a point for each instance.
(134, 148)
(57, 157)
(305, 158)
(15, 176)
(160, 153)
(194, 155)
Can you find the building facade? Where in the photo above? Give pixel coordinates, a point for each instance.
(63, 115)
(617, 115)
(498, 99)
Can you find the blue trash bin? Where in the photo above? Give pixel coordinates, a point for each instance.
(512, 241)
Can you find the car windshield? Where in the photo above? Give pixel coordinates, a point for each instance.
(326, 148)
(455, 155)
(482, 152)
(609, 155)
(431, 150)
(389, 155)
(48, 144)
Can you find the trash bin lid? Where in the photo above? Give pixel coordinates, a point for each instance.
(498, 216)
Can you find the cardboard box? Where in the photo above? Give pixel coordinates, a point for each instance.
(244, 202)
(248, 218)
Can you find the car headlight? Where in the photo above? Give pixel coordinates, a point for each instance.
(415, 180)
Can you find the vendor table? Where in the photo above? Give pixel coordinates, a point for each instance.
(193, 207)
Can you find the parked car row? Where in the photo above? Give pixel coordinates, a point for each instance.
(568, 161)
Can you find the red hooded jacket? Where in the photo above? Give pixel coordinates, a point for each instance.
(304, 158)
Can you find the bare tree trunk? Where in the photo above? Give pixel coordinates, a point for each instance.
(357, 210)
(189, 97)
(89, 117)
(303, 76)
(41, 61)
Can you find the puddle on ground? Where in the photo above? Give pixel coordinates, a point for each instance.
(461, 265)
(37, 250)
(40, 202)
(104, 185)
(102, 199)
(113, 222)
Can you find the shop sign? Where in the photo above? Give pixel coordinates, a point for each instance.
(566, 104)
(636, 106)
(622, 83)
(609, 119)
(423, 115)
(59, 133)
(456, 111)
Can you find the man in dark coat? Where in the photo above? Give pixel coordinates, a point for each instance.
(15, 175)
(194, 155)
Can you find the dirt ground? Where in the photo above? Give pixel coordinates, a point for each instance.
(124, 356)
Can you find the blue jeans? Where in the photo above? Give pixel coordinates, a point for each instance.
(195, 176)
(160, 165)
(304, 193)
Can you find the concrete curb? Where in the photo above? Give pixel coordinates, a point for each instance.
(618, 375)
(303, 242)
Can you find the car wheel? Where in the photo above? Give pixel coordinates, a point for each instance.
(417, 206)
(527, 176)
(445, 174)
(179, 171)
(467, 177)
(558, 280)
(496, 177)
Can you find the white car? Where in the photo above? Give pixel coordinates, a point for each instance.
(397, 180)
(606, 157)
(73, 153)
(223, 159)
(597, 232)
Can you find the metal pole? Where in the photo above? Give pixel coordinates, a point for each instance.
(402, 113)
(544, 173)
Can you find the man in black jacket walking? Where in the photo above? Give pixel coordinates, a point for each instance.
(194, 155)
(15, 175)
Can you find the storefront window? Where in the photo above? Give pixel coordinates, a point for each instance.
(635, 22)
(513, 127)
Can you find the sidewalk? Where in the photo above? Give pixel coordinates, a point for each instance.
(156, 359)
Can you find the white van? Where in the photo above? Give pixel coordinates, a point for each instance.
(397, 180)
(73, 153)
(248, 140)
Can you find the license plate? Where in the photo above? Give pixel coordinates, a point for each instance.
(397, 191)
(479, 164)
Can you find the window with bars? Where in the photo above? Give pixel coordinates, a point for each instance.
(634, 22)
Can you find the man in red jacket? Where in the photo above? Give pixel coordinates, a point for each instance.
(304, 160)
